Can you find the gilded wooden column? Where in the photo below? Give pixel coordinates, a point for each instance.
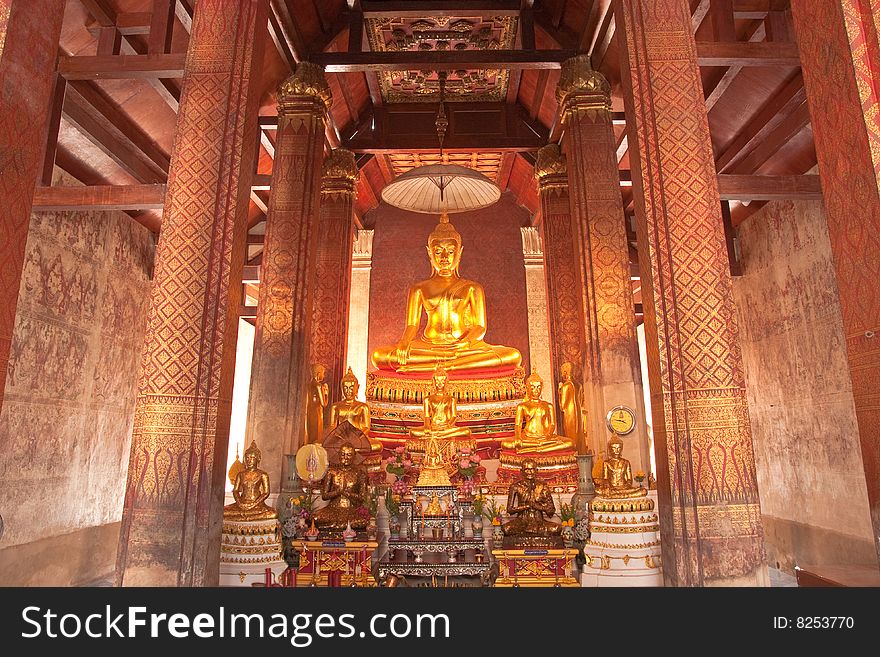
(282, 366)
(172, 516)
(612, 375)
(28, 51)
(840, 61)
(562, 269)
(333, 267)
(710, 521)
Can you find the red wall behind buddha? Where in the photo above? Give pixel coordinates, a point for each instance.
(492, 256)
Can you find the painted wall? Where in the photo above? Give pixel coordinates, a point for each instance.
(810, 475)
(492, 256)
(65, 427)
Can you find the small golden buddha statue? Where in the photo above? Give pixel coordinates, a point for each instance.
(434, 508)
(569, 396)
(529, 500)
(250, 490)
(352, 410)
(319, 393)
(535, 424)
(345, 489)
(440, 411)
(433, 469)
(617, 477)
(456, 311)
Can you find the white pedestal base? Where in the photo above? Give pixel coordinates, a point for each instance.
(240, 574)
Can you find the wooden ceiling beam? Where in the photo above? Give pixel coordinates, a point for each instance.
(603, 39)
(740, 53)
(591, 28)
(714, 89)
(110, 67)
(699, 11)
(450, 60)
(100, 197)
(769, 188)
(161, 26)
(784, 132)
(439, 8)
(101, 10)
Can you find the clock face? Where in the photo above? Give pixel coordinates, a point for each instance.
(621, 420)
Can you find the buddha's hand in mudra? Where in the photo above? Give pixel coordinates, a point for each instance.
(402, 352)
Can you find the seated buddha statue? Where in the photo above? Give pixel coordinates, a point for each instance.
(616, 482)
(456, 312)
(350, 409)
(440, 411)
(535, 425)
(344, 489)
(250, 490)
(528, 501)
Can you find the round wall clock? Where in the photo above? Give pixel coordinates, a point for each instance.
(621, 420)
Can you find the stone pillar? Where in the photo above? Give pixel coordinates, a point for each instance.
(358, 352)
(333, 267)
(562, 269)
(612, 373)
(536, 301)
(28, 51)
(840, 60)
(282, 364)
(172, 517)
(710, 520)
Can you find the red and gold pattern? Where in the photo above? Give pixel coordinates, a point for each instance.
(282, 364)
(838, 47)
(597, 210)
(173, 504)
(335, 563)
(535, 567)
(562, 267)
(28, 50)
(333, 267)
(701, 427)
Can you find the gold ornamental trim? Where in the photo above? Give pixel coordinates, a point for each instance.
(624, 521)
(543, 462)
(307, 80)
(624, 546)
(625, 529)
(582, 89)
(385, 388)
(551, 162)
(604, 561)
(622, 506)
(339, 172)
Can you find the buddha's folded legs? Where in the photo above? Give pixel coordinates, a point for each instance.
(424, 357)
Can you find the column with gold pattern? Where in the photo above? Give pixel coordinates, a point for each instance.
(357, 350)
(333, 267)
(282, 364)
(536, 300)
(28, 51)
(710, 521)
(172, 515)
(840, 60)
(565, 312)
(612, 374)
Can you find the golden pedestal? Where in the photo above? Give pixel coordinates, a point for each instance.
(486, 401)
(557, 467)
(536, 567)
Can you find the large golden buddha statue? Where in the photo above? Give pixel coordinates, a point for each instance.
(535, 423)
(250, 490)
(456, 311)
(350, 409)
(344, 490)
(617, 475)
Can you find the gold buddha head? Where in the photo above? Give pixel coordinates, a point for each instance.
(615, 447)
(529, 469)
(252, 456)
(534, 385)
(318, 371)
(444, 248)
(346, 454)
(565, 370)
(440, 378)
(349, 385)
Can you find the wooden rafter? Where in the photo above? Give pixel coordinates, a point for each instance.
(100, 197)
(450, 60)
(107, 67)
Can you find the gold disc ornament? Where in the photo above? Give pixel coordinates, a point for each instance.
(621, 420)
(311, 462)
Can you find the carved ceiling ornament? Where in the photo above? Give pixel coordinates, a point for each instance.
(442, 34)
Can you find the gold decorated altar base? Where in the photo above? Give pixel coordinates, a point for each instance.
(247, 549)
(477, 387)
(624, 544)
(555, 468)
(532, 567)
(335, 563)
